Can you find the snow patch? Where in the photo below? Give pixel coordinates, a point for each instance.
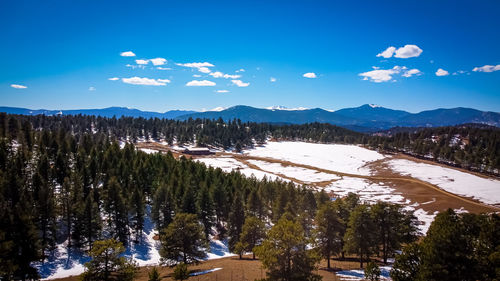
(359, 274)
(205, 271)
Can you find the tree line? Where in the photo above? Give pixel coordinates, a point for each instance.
(470, 146)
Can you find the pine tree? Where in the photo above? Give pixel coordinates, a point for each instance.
(446, 250)
(138, 213)
(154, 275)
(327, 231)
(204, 206)
(372, 272)
(359, 237)
(283, 253)
(183, 240)
(189, 201)
(252, 234)
(236, 221)
(181, 272)
(163, 207)
(117, 210)
(107, 262)
(344, 208)
(407, 265)
(90, 218)
(394, 227)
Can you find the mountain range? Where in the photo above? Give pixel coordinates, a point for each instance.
(366, 118)
(104, 112)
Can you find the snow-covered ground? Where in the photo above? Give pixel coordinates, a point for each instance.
(368, 191)
(451, 180)
(359, 274)
(63, 264)
(148, 150)
(334, 157)
(372, 192)
(301, 174)
(227, 164)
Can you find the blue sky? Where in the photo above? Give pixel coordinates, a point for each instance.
(64, 53)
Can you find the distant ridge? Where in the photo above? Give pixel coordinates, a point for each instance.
(365, 118)
(104, 112)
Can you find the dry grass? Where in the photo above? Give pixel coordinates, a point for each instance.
(237, 270)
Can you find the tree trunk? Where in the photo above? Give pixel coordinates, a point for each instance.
(328, 259)
(253, 255)
(68, 222)
(361, 260)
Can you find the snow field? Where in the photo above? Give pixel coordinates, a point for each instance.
(451, 180)
(334, 157)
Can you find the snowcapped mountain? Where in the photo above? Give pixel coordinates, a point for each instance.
(280, 107)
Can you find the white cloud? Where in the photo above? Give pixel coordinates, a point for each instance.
(163, 68)
(197, 75)
(17, 86)
(412, 72)
(458, 72)
(219, 74)
(231, 76)
(113, 78)
(158, 61)
(408, 51)
(91, 88)
(487, 68)
(240, 83)
(240, 70)
(127, 54)
(204, 69)
(442, 72)
(272, 79)
(196, 64)
(142, 62)
(136, 66)
(145, 81)
(387, 53)
(381, 75)
(222, 91)
(163, 80)
(200, 83)
(310, 75)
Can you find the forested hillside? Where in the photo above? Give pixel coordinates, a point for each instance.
(470, 146)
